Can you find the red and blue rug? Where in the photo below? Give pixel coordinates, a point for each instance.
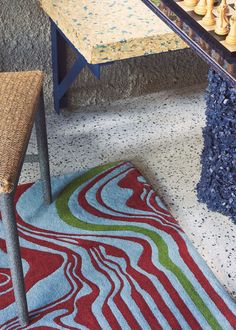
(107, 254)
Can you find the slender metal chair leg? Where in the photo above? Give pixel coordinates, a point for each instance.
(41, 134)
(13, 251)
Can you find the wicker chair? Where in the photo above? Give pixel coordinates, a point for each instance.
(21, 105)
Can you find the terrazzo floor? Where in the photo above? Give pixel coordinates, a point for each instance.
(161, 135)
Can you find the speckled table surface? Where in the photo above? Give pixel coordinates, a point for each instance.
(107, 30)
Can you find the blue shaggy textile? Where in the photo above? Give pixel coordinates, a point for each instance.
(217, 186)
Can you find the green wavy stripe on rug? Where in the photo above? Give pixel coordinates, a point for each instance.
(66, 215)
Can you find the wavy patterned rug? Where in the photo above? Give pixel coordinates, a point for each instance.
(108, 255)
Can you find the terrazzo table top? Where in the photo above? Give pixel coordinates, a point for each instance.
(109, 30)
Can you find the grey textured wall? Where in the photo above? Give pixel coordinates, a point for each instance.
(25, 44)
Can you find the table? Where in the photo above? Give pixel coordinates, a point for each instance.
(101, 32)
(217, 186)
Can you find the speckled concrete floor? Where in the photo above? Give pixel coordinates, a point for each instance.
(161, 135)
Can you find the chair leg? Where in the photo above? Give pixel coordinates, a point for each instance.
(41, 134)
(13, 251)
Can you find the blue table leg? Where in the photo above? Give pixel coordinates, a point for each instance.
(62, 80)
(58, 64)
(217, 186)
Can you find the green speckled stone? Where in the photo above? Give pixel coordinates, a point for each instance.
(107, 30)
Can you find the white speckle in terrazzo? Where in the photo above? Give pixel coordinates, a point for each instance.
(161, 135)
